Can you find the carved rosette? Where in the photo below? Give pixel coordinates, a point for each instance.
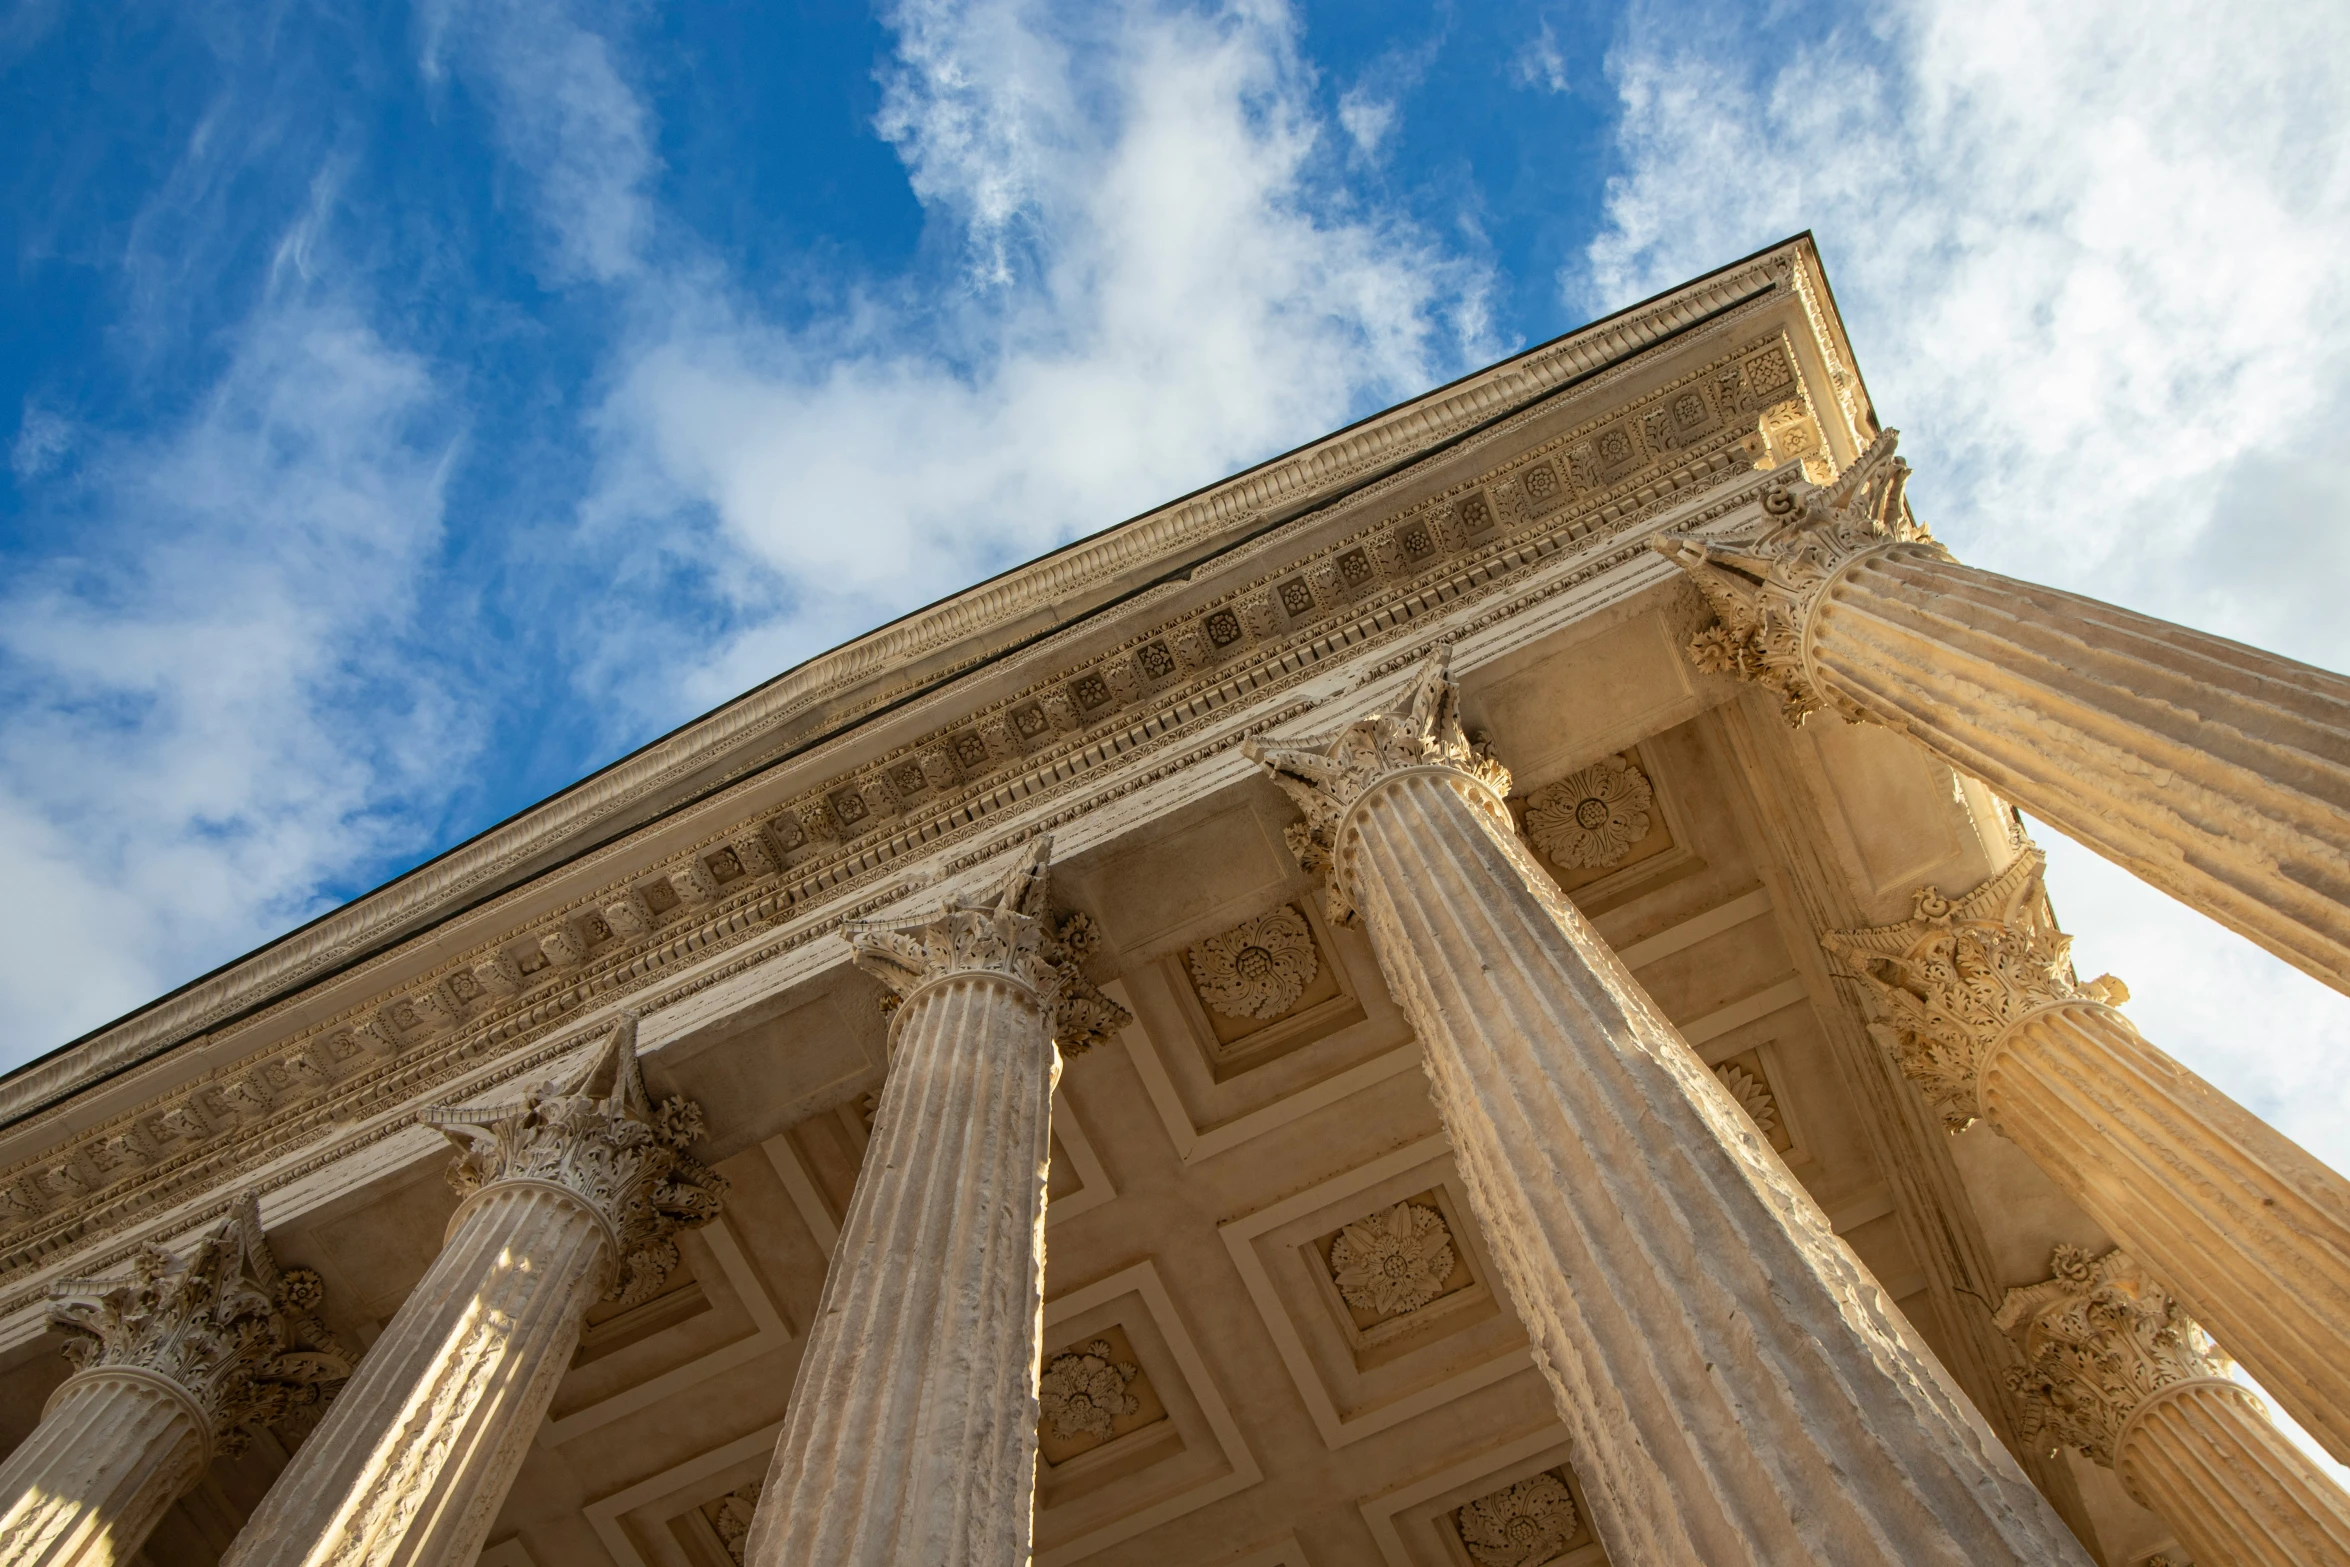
(1519, 1525)
(1394, 1262)
(1764, 586)
(1325, 777)
(223, 1324)
(1009, 931)
(1955, 977)
(2099, 1339)
(598, 1134)
(1082, 1391)
(1591, 818)
(1258, 968)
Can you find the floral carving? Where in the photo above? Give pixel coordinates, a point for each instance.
(1590, 819)
(1753, 1096)
(1258, 968)
(1008, 930)
(1764, 586)
(1954, 977)
(1392, 1262)
(1519, 1525)
(2099, 1339)
(599, 1134)
(223, 1323)
(1326, 776)
(1083, 1391)
(730, 1517)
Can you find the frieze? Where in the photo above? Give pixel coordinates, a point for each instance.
(836, 677)
(1158, 685)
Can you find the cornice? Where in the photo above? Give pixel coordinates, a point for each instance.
(854, 681)
(276, 1113)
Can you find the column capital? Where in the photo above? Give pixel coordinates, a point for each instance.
(1764, 583)
(1009, 931)
(223, 1324)
(596, 1133)
(1952, 979)
(1418, 731)
(2100, 1339)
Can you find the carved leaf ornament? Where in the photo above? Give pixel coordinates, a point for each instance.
(599, 1134)
(1591, 819)
(2099, 1338)
(1521, 1525)
(223, 1323)
(1762, 586)
(1327, 775)
(1258, 968)
(1083, 1391)
(1392, 1262)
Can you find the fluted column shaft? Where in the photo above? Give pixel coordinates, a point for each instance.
(114, 1449)
(911, 1438)
(2207, 1459)
(2243, 1226)
(414, 1459)
(577, 1184)
(2214, 771)
(1739, 1388)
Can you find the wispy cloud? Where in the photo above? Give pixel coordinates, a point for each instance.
(2090, 256)
(216, 706)
(1161, 278)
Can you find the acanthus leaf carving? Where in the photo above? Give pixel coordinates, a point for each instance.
(597, 1133)
(1519, 1525)
(1009, 930)
(1258, 968)
(1953, 978)
(1763, 586)
(2099, 1339)
(1325, 777)
(1082, 1391)
(1392, 1262)
(223, 1323)
(1591, 818)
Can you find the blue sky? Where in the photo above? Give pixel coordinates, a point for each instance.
(410, 408)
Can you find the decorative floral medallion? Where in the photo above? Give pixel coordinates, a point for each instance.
(1520, 1525)
(1392, 1262)
(730, 1516)
(1753, 1096)
(1259, 967)
(1083, 1391)
(1591, 818)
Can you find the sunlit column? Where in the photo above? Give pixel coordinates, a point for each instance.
(2248, 1230)
(572, 1193)
(2113, 1367)
(2214, 771)
(1739, 1388)
(911, 1438)
(174, 1363)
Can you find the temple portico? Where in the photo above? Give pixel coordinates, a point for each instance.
(1473, 996)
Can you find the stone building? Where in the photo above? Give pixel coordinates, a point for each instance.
(1338, 1023)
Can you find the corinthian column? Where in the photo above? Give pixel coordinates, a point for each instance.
(174, 1365)
(571, 1194)
(2237, 1221)
(2113, 1367)
(1739, 1388)
(911, 1439)
(2214, 771)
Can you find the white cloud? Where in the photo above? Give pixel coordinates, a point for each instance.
(1366, 117)
(210, 712)
(2090, 257)
(1161, 283)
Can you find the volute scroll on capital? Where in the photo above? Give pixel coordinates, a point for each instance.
(222, 1323)
(1766, 585)
(598, 1134)
(1953, 980)
(1328, 776)
(2100, 1339)
(1009, 931)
